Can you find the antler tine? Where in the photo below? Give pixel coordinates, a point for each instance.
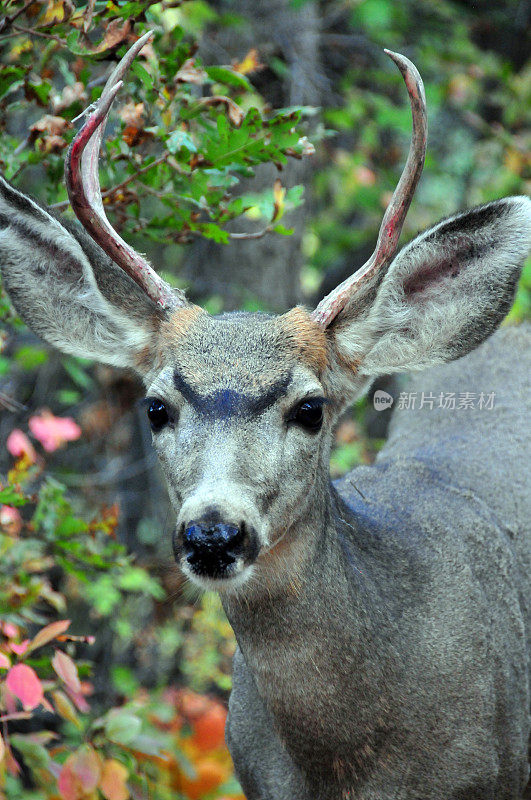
(394, 217)
(83, 186)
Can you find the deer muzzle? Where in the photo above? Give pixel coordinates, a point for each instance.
(214, 549)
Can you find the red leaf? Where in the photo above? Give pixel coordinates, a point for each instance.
(53, 432)
(23, 682)
(79, 701)
(11, 520)
(80, 774)
(10, 630)
(68, 783)
(66, 670)
(18, 445)
(21, 648)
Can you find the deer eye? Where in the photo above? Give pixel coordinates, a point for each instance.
(157, 415)
(309, 414)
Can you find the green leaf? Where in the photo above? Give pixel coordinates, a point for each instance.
(222, 125)
(11, 79)
(179, 139)
(129, 10)
(30, 357)
(10, 497)
(76, 369)
(122, 728)
(212, 231)
(103, 594)
(229, 78)
(124, 680)
(70, 527)
(142, 73)
(35, 755)
(136, 579)
(41, 90)
(282, 230)
(73, 43)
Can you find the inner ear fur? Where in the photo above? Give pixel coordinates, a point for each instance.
(68, 290)
(443, 295)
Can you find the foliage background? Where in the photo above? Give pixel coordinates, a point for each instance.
(138, 711)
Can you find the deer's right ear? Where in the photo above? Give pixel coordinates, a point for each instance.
(68, 290)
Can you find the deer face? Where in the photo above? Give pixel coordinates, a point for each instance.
(242, 406)
(241, 423)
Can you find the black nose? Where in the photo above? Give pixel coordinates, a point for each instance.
(211, 547)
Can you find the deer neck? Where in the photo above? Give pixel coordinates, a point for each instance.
(318, 640)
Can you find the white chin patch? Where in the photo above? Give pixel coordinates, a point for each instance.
(236, 577)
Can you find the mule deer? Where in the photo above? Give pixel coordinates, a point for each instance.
(382, 623)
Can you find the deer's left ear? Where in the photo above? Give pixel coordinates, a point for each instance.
(442, 295)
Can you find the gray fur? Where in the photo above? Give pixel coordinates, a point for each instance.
(383, 630)
(406, 653)
(67, 288)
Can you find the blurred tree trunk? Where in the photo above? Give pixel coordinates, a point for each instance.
(268, 268)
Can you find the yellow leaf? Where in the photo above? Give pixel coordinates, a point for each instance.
(279, 193)
(113, 780)
(65, 708)
(250, 63)
(57, 11)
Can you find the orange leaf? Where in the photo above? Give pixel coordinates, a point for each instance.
(115, 34)
(47, 634)
(209, 729)
(113, 780)
(66, 670)
(23, 682)
(209, 775)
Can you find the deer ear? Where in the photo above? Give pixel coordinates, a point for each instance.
(68, 290)
(442, 295)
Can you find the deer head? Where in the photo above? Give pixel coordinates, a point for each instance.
(242, 406)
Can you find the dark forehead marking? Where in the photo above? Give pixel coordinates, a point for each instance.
(225, 403)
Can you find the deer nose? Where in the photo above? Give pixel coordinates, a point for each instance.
(210, 548)
(213, 537)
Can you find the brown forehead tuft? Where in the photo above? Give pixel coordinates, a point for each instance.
(305, 337)
(178, 325)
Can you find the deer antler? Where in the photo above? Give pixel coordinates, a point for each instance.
(394, 217)
(83, 186)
